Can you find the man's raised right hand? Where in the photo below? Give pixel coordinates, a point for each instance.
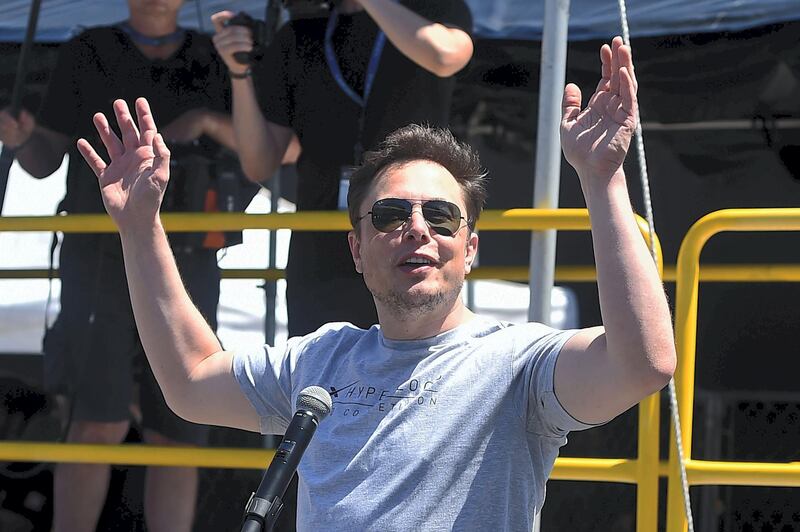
(134, 181)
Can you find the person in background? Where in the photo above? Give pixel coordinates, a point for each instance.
(339, 84)
(93, 355)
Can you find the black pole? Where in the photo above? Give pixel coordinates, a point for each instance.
(272, 15)
(7, 156)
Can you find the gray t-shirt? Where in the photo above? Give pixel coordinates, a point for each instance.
(455, 432)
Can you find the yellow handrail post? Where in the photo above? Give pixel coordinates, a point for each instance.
(687, 295)
(647, 461)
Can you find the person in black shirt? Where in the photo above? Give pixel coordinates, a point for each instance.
(340, 84)
(92, 352)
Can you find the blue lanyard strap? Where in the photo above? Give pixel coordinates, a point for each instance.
(336, 72)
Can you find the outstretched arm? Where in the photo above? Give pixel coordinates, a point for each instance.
(603, 371)
(435, 47)
(187, 359)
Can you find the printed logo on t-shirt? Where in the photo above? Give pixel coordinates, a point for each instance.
(357, 398)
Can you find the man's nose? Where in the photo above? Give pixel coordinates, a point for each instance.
(416, 226)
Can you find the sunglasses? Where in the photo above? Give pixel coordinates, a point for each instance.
(443, 217)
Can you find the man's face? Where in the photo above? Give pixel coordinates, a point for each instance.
(413, 268)
(154, 7)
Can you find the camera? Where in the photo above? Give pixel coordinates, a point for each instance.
(258, 29)
(261, 32)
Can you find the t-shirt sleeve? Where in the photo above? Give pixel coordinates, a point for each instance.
(272, 81)
(450, 13)
(62, 101)
(264, 376)
(546, 416)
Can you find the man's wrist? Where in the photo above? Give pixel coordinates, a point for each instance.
(602, 185)
(241, 75)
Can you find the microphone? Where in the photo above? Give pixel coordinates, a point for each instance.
(262, 510)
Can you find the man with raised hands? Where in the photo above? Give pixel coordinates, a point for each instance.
(442, 419)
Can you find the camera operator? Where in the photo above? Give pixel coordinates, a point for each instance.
(92, 352)
(340, 84)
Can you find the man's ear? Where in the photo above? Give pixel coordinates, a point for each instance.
(470, 252)
(355, 249)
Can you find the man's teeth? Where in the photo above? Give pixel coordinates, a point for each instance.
(418, 261)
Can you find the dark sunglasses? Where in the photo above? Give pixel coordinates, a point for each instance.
(443, 217)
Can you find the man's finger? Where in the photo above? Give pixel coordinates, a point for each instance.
(605, 62)
(626, 61)
(235, 41)
(627, 92)
(219, 19)
(146, 121)
(571, 102)
(162, 154)
(94, 161)
(130, 134)
(614, 83)
(108, 136)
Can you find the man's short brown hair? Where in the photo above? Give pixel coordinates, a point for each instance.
(422, 143)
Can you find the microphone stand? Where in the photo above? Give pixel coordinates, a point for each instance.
(260, 514)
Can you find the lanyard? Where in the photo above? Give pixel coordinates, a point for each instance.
(333, 63)
(369, 77)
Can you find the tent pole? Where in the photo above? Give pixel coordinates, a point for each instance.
(7, 156)
(548, 154)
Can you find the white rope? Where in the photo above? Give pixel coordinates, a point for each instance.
(648, 206)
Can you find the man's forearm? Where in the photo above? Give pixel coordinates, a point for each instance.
(259, 150)
(174, 334)
(219, 126)
(436, 48)
(634, 308)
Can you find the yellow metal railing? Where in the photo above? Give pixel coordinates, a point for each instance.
(709, 273)
(687, 293)
(514, 219)
(642, 471)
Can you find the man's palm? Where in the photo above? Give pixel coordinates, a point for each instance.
(596, 139)
(133, 184)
